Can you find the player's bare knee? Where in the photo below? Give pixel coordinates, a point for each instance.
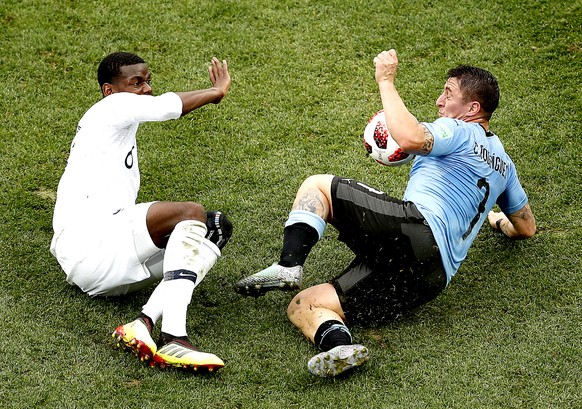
(316, 181)
(193, 211)
(295, 305)
(305, 299)
(318, 185)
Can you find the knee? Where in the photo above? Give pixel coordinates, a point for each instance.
(316, 181)
(305, 299)
(192, 211)
(316, 298)
(294, 306)
(319, 185)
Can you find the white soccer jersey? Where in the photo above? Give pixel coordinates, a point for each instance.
(102, 173)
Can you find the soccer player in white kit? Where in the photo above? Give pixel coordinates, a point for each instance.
(110, 246)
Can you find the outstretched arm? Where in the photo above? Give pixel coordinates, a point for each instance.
(517, 225)
(220, 79)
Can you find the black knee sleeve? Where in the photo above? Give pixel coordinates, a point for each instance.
(219, 228)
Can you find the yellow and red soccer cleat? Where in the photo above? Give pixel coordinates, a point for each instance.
(136, 337)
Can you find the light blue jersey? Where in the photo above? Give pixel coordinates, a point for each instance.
(458, 183)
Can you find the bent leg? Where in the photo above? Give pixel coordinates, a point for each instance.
(314, 195)
(163, 217)
(317, 312)
(303, 228)
(180, 228)
(314, 306)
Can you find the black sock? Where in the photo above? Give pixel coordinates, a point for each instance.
(298, 240)
(331, 334)
(147, 320)
(166, 338)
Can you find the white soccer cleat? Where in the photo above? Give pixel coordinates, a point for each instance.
(275, 277)
(338, 360)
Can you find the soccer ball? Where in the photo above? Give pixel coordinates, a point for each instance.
(380, 145)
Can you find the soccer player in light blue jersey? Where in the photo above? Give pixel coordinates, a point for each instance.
(406, 251)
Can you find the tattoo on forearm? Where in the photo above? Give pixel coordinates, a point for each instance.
(428, 142)
(523, 214)
(311, 201)
(523, 221)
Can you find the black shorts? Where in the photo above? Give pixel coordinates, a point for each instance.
(397, 266)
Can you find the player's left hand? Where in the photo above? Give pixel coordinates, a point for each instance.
(493, 217)
(219, 76)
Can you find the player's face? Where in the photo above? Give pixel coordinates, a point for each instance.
(133, 78)
(451, 102)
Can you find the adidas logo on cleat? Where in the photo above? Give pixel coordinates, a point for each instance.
(183, 355)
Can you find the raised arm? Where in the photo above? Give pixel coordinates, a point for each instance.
(517, 225)
(220, 79)
(411, 136)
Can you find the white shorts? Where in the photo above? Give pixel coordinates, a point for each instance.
(111, 255)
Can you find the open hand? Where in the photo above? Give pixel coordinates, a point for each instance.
(219, 76)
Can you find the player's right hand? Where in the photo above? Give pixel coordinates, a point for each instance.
(386, 64)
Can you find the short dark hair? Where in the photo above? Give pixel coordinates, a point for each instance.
(110, 66)
(479, 85)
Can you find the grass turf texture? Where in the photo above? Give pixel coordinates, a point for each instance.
(506, 333)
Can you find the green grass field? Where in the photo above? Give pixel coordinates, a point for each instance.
(505, 334)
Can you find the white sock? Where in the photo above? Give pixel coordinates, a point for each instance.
(154, 307)
(176, 305)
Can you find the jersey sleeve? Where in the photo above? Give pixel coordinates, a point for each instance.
(444, 131)
(158, 108)
(127, 108)
(513, 197)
